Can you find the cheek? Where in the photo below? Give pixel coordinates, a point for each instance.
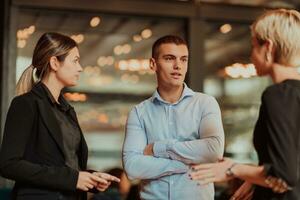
(65, 75)
(256, 57)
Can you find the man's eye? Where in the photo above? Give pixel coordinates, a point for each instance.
(184, 60)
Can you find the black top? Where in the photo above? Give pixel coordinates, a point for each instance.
(276, 138)
(69, 128)
(32, 150)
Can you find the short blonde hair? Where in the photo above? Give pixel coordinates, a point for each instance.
(282, 27)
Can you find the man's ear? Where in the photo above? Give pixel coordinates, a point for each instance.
(54, 63)
(153, 64)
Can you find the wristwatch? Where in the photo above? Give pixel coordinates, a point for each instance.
(229, 171)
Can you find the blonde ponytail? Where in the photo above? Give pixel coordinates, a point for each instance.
(26, 81)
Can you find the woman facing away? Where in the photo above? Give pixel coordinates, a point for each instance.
(43, 148)
(276, 53)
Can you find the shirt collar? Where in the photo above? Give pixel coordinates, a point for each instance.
(187, 92)
(62, 102)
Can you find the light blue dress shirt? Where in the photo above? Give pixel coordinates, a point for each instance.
(188, 131)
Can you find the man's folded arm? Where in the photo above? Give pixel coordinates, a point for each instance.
(136, 164)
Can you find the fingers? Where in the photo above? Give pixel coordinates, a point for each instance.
(199, 175)
(277, 184)
(102, 187)
(87, 181)
(107, 177)
(99, 180)
(244, 192)
(249, 196)
(202, 166)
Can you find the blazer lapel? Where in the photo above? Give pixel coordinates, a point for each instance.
(83, 149)
(51, 122)
(52, 125)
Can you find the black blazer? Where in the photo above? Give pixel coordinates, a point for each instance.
(32, 150)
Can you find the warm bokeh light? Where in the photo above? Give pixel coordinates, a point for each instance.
(118, 50)
(78, 38)
(75, 96)
(147, 33)
(239, 70)
(95, 21)
(226, 28)
(137, 38)
(141, 65)
(21, 43)
(31, 29)
(126, 48)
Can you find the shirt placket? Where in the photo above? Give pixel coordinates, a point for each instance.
(172, 132)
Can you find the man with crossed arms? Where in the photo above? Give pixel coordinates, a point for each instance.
(171, 130)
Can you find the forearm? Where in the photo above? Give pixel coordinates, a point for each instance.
(250, 173)
(138, 166)
(209, 145)
(190, 152)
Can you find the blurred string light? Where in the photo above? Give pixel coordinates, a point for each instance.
(225, 28)
(139, 65)
(239, 70)
(98, 81)
(127, 78)
(95, 21)
(78, 38)
(137, 38)
(146, 33)
(103, 118)
(92, 71)
(122, 49)
(105, 61)
(75, 96)
(21, 43)
(23, 35)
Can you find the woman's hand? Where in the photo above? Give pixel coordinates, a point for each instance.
(277, 184)
(109, 178)
(245, 192)
(87, 181)
(212, 172)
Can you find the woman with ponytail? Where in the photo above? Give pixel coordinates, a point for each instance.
(43, 147)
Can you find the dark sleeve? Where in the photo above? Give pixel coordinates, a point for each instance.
(280, 116)
(17, 131)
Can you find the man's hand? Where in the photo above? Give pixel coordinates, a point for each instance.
(148, 151)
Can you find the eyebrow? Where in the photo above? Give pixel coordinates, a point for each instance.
(171, 55)
(77, 57)
(166, 55)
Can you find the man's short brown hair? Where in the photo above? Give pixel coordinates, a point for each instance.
(168, 39)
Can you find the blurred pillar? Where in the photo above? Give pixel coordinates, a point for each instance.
(4, 26)
(196, 37)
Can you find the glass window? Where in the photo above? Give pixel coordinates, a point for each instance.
(114, 54)
(232, 79)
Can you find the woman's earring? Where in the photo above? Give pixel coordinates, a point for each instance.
(268, 57)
